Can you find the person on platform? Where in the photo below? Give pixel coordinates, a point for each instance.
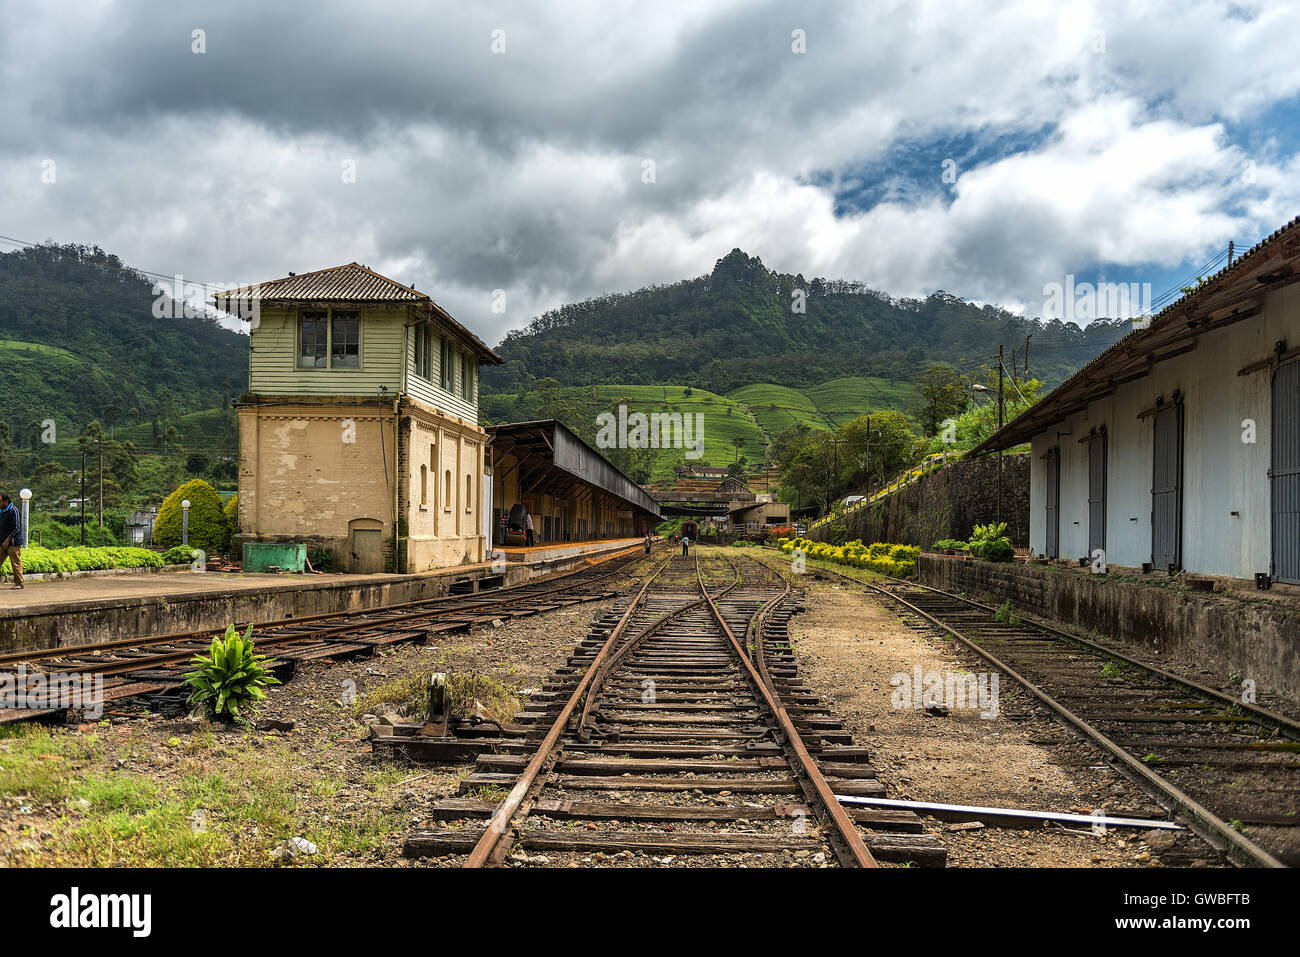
(11, 538)
(528, 529)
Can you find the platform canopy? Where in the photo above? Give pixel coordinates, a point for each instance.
(553, 461)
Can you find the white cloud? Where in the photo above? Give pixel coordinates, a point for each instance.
(523, 171)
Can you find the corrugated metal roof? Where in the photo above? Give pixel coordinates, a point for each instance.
(352, 282)
(1169, 327)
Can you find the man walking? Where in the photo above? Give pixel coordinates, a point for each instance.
(528, 529)
(686, 546)
(11, 538)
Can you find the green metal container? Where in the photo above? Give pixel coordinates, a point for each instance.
(260, 556)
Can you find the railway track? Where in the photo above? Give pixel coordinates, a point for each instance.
(1228, 769)
(148, 670)
(679, 730)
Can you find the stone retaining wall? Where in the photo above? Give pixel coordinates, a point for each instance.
(946, 503)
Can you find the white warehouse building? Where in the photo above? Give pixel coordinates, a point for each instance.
(1179, 446)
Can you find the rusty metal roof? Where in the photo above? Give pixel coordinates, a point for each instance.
(349, 283)
(1230, 295)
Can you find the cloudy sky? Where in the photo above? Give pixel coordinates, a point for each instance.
(566, 149)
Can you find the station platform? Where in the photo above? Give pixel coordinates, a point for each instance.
(551, 551)
(73, 611)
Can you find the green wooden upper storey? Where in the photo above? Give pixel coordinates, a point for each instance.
(346, 331)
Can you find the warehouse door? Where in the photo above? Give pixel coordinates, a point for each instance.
(1167, 488)
(1097, 491)
(1284, 476)
(1053, 547)
(367, 546)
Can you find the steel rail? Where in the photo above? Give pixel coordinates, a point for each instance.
(504, 596)
(850, 848)
(1219, 834)
(1287, 726)
(544, 755)
(626, 648)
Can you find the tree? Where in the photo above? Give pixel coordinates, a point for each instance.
(892, 447)
(941, 395)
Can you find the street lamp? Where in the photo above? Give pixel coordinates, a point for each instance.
(26, 496)
(185, 521)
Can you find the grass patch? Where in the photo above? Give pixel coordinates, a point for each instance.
(195, 816)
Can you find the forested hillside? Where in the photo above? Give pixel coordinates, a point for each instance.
(741, 325)
(87, 367)
(79, 342)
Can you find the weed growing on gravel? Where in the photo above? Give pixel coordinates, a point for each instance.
(1004, 614)
(489, 792)
(466, 694)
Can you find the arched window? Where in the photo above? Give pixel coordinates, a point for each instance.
(424, 485)
(446, 483)
(469, 493)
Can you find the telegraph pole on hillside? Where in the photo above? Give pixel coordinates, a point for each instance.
(83, 494)
(1001, 373)
(99, 446)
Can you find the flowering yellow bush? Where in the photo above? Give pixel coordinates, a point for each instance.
(896, 560)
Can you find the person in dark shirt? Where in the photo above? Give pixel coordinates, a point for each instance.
(11, 538)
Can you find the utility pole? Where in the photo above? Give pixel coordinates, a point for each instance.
(99, 446)
(866, 462)
(1001, 373)
(83, 495)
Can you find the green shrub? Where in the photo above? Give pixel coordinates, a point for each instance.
(953, 543)
(990, 543)
(896, 560)
(38, 560)
(231, 511)
(209, 529)
(230, 679)
(180, 555)
(999, 550)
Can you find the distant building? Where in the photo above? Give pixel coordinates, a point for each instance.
(766, 511)
(1179, 446)
(139, 527)
(359, 432)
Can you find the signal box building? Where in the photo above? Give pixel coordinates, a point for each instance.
(1179, 446)
(359, 433)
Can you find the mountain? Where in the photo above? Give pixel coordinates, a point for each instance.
(79, 341)
(741, 325)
